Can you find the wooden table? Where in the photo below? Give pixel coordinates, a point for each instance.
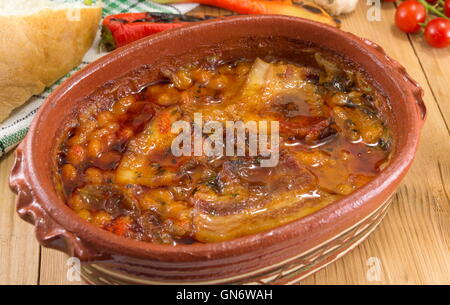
(411, 246)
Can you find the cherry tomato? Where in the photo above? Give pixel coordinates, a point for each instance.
(447, 8)
(432, 1)
(409, 15)
(437, 33)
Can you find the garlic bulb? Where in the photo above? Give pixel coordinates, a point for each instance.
(337, 7)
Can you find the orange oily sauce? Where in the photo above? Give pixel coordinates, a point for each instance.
(117, 170)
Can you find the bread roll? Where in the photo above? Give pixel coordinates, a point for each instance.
(40, 42)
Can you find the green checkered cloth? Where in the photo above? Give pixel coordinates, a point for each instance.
(14, 129)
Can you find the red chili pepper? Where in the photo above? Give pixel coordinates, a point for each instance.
(121, 29)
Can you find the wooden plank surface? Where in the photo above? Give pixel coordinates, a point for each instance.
(19, 250)
(411, 246)
(436, 65)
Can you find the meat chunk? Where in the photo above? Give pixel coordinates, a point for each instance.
(109, 198)
(142, 161)
(251, 199)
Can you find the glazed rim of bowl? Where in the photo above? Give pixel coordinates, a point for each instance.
(104, 241)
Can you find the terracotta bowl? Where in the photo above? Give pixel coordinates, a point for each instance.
(282, 255)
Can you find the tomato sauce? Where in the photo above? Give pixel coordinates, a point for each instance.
(117, 170)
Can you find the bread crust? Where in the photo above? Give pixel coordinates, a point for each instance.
(38, 49)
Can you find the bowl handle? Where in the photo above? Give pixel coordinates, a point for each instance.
(410, 84)
(49, 233)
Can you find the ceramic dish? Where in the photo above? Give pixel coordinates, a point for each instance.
(282, 255)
